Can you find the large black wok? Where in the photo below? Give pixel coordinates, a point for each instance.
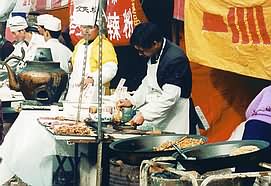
(134, 150)
(208, 157)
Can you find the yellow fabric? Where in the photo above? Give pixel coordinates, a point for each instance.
(215, 46)
(108, 55)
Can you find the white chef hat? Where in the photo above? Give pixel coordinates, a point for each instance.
(42, 19)
(85, 13)
(17, 23)
(53, 24)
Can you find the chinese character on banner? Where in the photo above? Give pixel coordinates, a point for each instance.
(122, 17)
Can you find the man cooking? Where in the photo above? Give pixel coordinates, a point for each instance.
(163, 98)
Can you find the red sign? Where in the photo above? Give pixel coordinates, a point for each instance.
(122, 17)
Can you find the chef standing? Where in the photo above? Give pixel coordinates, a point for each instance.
(34, 41)
(17, 25)
(163, 98)
(88, 49)
(41, 21)
(60, 53)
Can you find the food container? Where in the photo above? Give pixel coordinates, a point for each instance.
(127, 114)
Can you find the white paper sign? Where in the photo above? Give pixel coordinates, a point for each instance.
(85, 12)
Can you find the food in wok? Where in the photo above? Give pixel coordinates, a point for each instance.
(183, 142)
(244, 150)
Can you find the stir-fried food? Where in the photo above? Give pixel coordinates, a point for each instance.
(244, 150)
(183, 142)
(76, 129)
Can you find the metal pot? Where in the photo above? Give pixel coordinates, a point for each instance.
(134, 150)
(216, 156)
(43, 81)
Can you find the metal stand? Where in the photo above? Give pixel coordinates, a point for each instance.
(100, 91)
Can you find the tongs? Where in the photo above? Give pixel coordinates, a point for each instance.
(180, 151)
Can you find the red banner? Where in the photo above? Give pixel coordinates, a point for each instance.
(40, 4)
(122, 17)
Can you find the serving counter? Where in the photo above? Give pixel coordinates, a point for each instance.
(29, 148)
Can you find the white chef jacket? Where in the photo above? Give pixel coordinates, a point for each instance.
(60, 53)
(162, 108)
(36, 41)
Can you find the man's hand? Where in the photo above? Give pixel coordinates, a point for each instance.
(88, 81)
(138, 119)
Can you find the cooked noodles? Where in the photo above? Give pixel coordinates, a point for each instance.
(183, 142)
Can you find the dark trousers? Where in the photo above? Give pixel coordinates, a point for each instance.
(257, 130)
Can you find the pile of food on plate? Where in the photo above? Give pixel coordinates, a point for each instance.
(76, 129)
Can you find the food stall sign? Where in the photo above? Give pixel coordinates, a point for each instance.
(121, 17)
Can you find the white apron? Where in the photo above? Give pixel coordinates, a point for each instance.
(89, 93)
(177, 118)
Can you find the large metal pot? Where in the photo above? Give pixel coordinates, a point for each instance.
(134, 150)
(208, 157)
(38, 80)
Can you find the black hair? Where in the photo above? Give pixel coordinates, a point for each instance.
(145, 34)
(32, 29)
(54, 34)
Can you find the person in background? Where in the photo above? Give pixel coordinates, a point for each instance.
(163, 98)
(27, 35)
(90, 42)
(41, 20)
(17, 25)
(257, 126)
(258, 117)
(60, 52)
(35, 41)
(6, 48)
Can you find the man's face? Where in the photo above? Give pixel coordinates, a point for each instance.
(19, 35)
(147, 52)
(89, 32)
